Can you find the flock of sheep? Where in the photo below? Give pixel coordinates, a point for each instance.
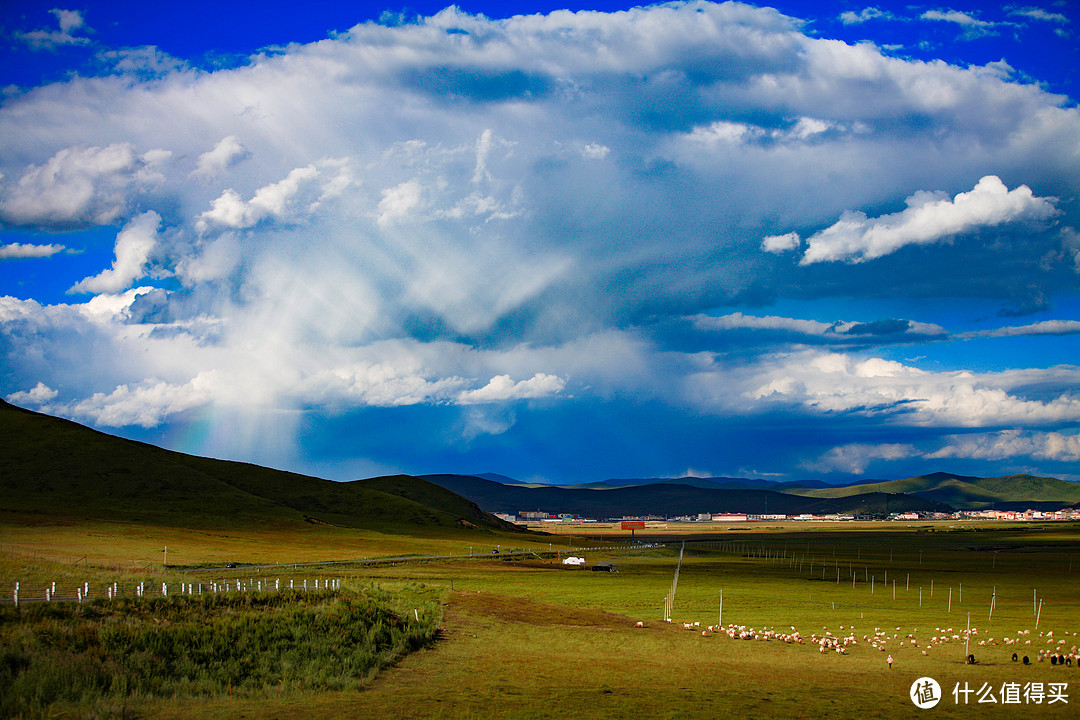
(886, 641)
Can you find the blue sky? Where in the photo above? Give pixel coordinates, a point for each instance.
(803, 241)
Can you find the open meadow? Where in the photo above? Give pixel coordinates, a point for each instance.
(530, 638)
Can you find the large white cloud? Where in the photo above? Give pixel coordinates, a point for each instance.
(1009, 444)
(928, 218)
(840, 383)
(469, 212)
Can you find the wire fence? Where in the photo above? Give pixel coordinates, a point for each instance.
(47, 592)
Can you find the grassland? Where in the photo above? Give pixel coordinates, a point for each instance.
(530, 639)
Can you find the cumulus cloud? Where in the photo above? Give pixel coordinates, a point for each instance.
(972, 26)
(381, 384)
(502, 388)
(1034, 13)
(37, 395)
(28, 250)
(145, 63)
(80, 186)
(458, 213)
(727, 133)
(887, 389)
(106, 308)
(146, 404)
(595, 151)
(270, 201)
(855, 457)
(70, 22)
(134, 244)
(1008, 444)
(928, 218)
(781, 243)
(850, 17)
(398, 202)
(214, 162)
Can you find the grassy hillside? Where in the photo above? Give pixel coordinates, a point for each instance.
(56, 467)
(966, 492)
(429, 494)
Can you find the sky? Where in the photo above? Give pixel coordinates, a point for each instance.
(808, 241)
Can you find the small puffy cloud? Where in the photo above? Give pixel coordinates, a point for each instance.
(1012, 443)
(133, 247)
(398, 202)
(851, 17)
(270, 201)
(37, 395)
(80, 186)
(928, 218)
(70, 22)
(144, 63)
(972, 26)
(68, 19)
(502, 388)
(28, 250)
(781, 243)
(216, 161)
(855, 457)
(595, 151)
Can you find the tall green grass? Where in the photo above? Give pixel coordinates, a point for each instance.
(102, 653)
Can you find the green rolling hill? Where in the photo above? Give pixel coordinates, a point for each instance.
(55, 467)
(969, 493)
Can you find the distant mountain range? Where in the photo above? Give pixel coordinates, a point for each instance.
(690, 495)
(670, 499)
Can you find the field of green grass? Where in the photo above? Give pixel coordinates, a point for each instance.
(531, 639)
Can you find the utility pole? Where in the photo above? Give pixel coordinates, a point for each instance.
(165, 562)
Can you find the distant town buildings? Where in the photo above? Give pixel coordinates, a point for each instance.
(1018, 515)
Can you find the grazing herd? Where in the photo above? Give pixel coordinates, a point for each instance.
(886, 641)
